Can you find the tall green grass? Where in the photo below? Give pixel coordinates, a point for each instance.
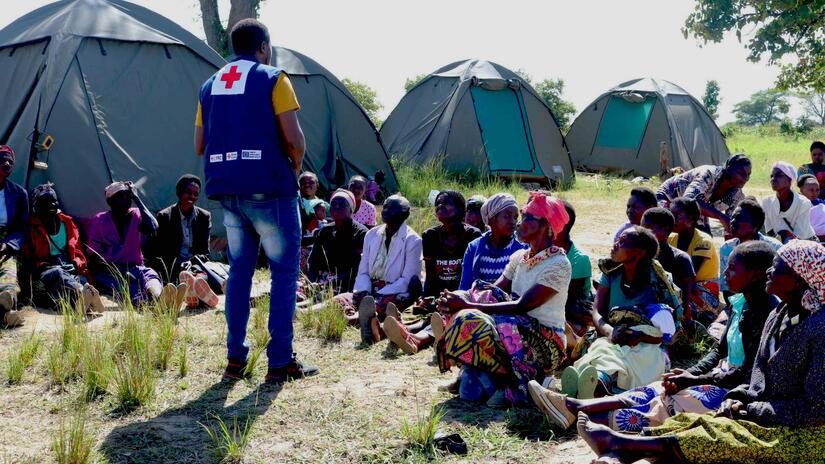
(22, 358)
(228, 441)
(73, 443)
(327, 322)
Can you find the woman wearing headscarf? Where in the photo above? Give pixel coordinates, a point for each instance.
(779, 416)
(337, 251)
(718, 189)
(55, 256)
(521, 337)
(787, 213)
(487, 256)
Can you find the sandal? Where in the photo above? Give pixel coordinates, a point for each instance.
(399, 335)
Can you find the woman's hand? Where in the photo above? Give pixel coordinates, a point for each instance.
(450, 302)
(732, 409)
(677, 379)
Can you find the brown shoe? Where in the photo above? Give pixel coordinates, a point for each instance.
(13, 319)
(392, 311)
(552, 404)
(399, 335)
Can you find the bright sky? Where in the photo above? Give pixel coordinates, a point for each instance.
(591, 44)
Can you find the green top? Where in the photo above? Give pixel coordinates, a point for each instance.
(57, 244)
(580, 265)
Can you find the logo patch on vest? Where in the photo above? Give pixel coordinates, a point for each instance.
(216, 158)
(251, 154)
(231, 79)
(232, 156)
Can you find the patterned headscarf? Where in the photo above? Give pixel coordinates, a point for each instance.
(807, 259)
(116, 187)
(346, 195)
(787, 169)
(496, 204)
(7, 149)
(549, 208)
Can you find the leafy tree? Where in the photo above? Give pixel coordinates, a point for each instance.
(711, 98)
(217, 35)
(813, 103)
(551, 91)
(366, 97)
(762, 107)
(779, 29)
(413, 81)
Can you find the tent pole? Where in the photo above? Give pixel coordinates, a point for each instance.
(33, 146)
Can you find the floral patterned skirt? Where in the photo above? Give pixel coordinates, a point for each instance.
(708, 439)
(517, 348)
(649, 406)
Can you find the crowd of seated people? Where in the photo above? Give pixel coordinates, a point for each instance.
(504, 295)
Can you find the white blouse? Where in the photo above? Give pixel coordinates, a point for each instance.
(554, 272)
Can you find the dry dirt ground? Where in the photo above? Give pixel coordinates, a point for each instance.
(352, 412)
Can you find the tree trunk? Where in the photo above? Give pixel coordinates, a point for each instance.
(242, 9)
(215, 32)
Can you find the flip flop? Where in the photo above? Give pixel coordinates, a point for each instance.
(588, 379)
(570, 381)
(437, 323)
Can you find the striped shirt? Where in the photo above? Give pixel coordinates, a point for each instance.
(481, 261)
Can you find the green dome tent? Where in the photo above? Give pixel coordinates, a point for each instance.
(624, 129)
(341, 139)
(115, 85)
(481, 117)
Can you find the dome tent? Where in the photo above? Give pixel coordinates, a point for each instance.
(116, 86)
(624, 128)
(481, 117)
(341, 139)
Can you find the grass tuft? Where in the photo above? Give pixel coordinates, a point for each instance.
(73, 443)
(420, 433)
(22, 358)
(327, 323)
(228, 442)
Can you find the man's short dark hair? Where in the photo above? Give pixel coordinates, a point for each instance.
(754, 210)
(247, 36)
(645, 195)
(804, 178)
(185, 180)
(688, 205)
(661, 217)
(756, 255)
(818, 144)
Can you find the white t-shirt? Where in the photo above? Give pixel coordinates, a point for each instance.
(553, 272)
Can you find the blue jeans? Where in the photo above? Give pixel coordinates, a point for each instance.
(274, 225)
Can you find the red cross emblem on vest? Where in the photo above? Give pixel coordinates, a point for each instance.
(231, 77)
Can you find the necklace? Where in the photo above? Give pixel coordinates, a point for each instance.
(532, 261)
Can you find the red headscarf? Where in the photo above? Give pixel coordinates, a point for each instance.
(549, 208)
(7, 149)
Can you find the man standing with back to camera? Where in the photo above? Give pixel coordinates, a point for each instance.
(247, 127)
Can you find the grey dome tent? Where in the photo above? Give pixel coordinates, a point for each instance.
(115, 85)
(481, 117)
(341, 139)
(623, 130)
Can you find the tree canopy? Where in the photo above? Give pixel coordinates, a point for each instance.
(791, 34)
(551, 91)
(813, 103)
(366, 97)
(763, 107)
(711, 98)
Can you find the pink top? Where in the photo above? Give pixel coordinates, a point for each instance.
(105, 240)
(365, 214)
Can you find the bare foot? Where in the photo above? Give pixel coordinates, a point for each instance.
(598, 437)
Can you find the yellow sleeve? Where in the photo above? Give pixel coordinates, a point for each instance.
(283, 96)
(199, 116)
(703, 248)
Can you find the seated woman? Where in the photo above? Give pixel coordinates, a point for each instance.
(115, 257)
(180, 247)
(633, 314)
(389, 271)
(444, 247)
(779, 416)
(55, 257)
(473, 215)
(787, 214)
(717, 189)
(701, 388)
(487, 256)
(336, 255)
(579, 295)
(522, 339)
(14, 220)
(364, 210)
(704, 297)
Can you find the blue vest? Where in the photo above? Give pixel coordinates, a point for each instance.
(244, 152)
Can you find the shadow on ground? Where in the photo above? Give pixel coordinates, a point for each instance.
(177, 436)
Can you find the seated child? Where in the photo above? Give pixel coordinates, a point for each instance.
(640, 200)
(787, 213)
(13, 225)
(704, 302)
